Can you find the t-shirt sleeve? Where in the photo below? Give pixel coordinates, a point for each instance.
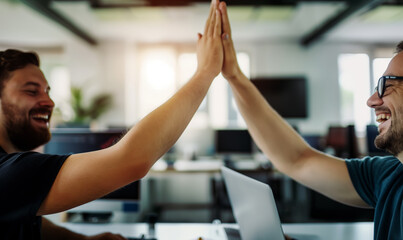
(366, 174)
(25, 180)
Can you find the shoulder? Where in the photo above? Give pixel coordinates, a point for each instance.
(25, 180)
(369, 174)
(375, 165)
(23, 162)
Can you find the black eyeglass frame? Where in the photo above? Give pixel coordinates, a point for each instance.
(380, 88)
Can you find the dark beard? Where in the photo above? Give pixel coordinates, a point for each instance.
(21, 133)
(391, 141)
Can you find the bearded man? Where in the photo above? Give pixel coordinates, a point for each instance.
(34, 184)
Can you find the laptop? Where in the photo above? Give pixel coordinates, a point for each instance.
(254, 209)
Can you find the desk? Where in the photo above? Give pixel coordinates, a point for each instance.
(190, 231)
(203, 165)
(186, 191)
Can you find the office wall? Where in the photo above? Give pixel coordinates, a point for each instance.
(113, 68)
(319, 64)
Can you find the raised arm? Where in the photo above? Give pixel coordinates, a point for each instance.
(280, 143)
(88, 176)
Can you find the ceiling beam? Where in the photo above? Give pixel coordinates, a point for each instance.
(354, 8)
(43, 7)
(182, 3)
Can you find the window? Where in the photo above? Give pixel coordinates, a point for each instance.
(157, 78)
(379, 67)
(355, 89)
(223, 109)
(59, 81)
(164, 69)
(58, 76)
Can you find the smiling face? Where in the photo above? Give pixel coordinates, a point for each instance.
(26, 108)
(389, 109)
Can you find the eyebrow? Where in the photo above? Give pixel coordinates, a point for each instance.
(35, 84)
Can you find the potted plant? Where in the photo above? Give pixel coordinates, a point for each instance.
(86, 114)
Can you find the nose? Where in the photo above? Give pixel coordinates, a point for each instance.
(46, 101)
(374, 100)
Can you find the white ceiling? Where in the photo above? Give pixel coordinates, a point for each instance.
(20, 25)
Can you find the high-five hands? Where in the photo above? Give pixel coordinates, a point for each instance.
(209, 46)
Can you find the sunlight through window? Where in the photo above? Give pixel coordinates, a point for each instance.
(355, 89)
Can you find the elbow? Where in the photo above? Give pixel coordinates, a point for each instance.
(304, 155)
(140, 165)
(136, 162)
(293, 163)
(143, 170)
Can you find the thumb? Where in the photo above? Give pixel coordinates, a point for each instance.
(199, 36)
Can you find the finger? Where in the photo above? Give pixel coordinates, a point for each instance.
(225, 20)
(212, 24)
(217, 28)
(212, 7)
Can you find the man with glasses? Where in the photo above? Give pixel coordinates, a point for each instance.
(371, 182)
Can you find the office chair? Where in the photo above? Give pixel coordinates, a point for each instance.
(343, 140)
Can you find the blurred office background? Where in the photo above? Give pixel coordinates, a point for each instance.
(326, 55)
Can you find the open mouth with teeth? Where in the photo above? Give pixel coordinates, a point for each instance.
(41, 119)
(383, 120)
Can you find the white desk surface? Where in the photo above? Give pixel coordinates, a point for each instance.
(192, 231)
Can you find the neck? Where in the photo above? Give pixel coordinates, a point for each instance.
(400, 157)
(8, 147)
(5, 142)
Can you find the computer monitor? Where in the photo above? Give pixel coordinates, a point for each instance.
(233, 141)
(70, 141)
(287, 95)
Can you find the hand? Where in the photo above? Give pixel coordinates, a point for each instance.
(209, 46)
(106, 236)
(230, 67)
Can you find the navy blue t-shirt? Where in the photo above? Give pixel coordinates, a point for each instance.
(379, 182)
(25, 180)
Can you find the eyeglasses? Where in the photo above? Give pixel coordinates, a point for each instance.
(381, 84)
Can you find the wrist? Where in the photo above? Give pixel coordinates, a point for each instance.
(236, 76)
(205, 75)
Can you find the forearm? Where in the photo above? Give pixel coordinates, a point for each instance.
(160, 129)
(274, 136)
(51, 231)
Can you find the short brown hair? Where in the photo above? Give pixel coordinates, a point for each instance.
(11, 60)
(399, 47)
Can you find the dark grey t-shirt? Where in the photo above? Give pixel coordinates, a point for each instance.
(379, 182)
(25, 180)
